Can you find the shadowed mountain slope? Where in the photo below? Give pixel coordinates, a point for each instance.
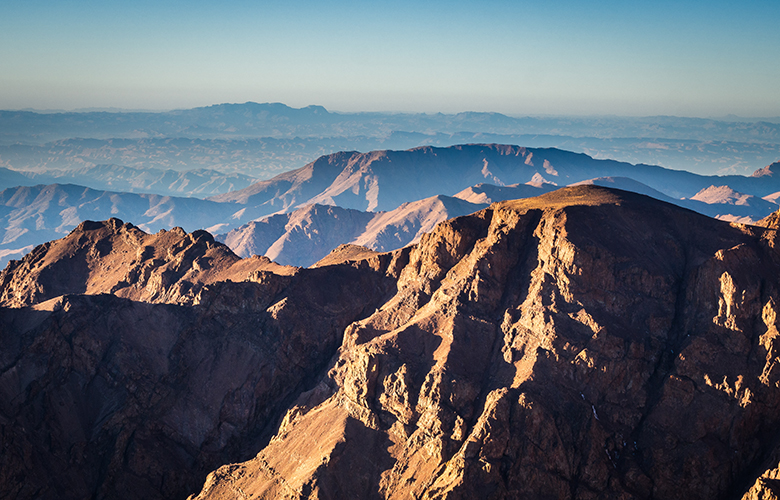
(120, 259)
(506, 366)
(586, 343)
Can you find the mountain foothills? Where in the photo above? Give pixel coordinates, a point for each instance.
(399, 195)
(494, 358)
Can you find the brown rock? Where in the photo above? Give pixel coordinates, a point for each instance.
(103, 397)
(588, 343)
(120, 259)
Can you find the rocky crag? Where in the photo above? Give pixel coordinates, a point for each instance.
(106, 397)
(588, 343)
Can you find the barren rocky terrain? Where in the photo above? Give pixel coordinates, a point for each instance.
(587, 343)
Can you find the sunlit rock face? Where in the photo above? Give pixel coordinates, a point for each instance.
(588, 343)
(584, 344)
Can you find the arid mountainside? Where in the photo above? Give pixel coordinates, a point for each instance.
(771, 221)
(107, 397)
(587, 343)
(382, 180)
(584, 344)
(117, 258)
(378, 181)
(306, 235)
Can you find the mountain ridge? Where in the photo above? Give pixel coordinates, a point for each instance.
(366, 182)
(492, 357)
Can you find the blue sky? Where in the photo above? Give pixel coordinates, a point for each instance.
(681, 58)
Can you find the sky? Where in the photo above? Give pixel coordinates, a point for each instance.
(684, 58)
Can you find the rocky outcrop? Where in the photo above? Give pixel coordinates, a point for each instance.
(771, 221)
(120, 259)
(104, 397)
(588, 343)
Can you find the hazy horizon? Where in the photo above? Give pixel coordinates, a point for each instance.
(687, 59)
(397, 112)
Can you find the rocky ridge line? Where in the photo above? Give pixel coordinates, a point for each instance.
(588, 343)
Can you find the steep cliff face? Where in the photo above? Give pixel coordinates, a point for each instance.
(584, 344)
(771, 221)
(588, 343)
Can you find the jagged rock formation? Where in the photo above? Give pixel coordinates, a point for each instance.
(771, 221)
(588, 343)
(104, 397)
(767, 171)
(120, 259)
(584, 344)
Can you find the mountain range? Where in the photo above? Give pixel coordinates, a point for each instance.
(262, 140)
(382, 199)
(190, 183)
(306, 235)
(253, 119)
(586, 343)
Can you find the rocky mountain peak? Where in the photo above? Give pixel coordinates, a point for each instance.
(575, 345)
(722, 194)
(768, 171)
(118, 258)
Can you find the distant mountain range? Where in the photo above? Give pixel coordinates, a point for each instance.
(262, 140)
(31, 215)
(308, 234)
(382, 180)
(382, 200)
(265, 157)
(277, 120)
(198, 182)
